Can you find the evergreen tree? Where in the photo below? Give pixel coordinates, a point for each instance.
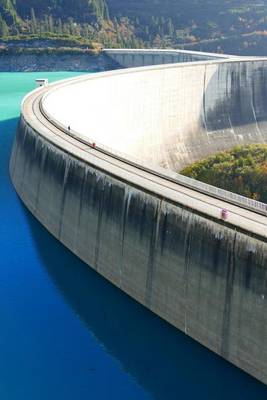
(60, 26)
(4, 31)
(34, 22)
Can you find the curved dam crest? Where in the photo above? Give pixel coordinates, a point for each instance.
(203, 275)
(169, 116)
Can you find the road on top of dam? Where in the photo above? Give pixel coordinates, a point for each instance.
(238, 217)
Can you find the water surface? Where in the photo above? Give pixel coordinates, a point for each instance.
(66, 333)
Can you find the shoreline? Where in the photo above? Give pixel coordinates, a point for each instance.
(58, 61)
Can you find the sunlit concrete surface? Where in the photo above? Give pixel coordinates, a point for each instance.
(168, 115)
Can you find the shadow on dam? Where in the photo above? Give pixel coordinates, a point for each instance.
(167, 363)
(6, 142)
(230, 108)
(235, 103)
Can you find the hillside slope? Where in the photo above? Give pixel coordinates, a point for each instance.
(229, 26)
(200, 18)
(242, 170)
(80, 10)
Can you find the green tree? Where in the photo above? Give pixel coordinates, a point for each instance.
(3, 27)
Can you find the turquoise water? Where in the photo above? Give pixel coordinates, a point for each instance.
(66, 333)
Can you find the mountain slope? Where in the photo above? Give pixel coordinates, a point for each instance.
(8, 11)
(235, 26)
(79, 10)
(201, 18)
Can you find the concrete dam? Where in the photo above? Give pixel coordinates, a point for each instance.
(96, 160)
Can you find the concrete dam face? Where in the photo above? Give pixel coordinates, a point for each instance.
(169, 116)
(94, 160)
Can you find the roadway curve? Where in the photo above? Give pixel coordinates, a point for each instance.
(250, 216)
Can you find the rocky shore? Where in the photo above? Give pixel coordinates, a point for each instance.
(54, 62)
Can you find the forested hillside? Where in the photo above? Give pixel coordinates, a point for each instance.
(189, 21)
(237, 26)
(80, 10)
(83, 20)
(242, 170)
(24, 15)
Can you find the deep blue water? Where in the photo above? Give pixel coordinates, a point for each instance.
(66, 333)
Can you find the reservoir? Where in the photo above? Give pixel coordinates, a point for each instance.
(66, 333)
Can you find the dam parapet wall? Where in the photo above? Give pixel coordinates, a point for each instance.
(162, 244)
(145, 57)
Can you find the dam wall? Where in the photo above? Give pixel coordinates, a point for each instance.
(144, 57)
(162, 244)
(203, 277)
(168, 116)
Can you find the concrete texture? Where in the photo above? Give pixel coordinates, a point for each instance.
(160, 242)
(168, 116)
